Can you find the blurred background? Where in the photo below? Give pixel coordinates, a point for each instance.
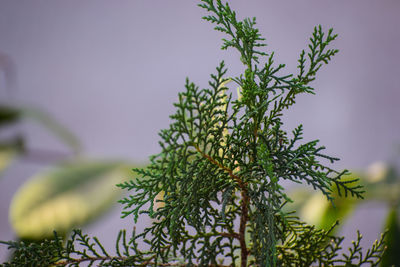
(107, 74)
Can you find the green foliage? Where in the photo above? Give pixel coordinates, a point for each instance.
(53, 126)
(220, 171)
(12, 115)
(392, 254)
(318, 211)
(15, 145)
(79, 249)
(10, 147)
(381, 181)
(8, 115)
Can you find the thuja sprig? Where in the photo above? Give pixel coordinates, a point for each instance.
(79, 249)
(220, 169)
(244, 36)
(223, 158)
(83, 250)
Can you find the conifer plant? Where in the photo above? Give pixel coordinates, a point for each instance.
(215, 190)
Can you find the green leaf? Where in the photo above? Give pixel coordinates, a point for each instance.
(318, 211)
(68, 196)
(9, 150)
(7, 156)
(53, 126)
(391, 257)
(313, 209)
(343, 208)
(8, 115)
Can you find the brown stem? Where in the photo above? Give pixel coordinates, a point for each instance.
(230, 235)
(147, 263)
(229, 171)
(244, 206)
(78, 261)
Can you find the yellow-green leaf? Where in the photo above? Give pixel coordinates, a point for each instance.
(66, 197)
(317, 210)
(7, 156)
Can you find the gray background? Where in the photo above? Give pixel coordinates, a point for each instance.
(110, 71)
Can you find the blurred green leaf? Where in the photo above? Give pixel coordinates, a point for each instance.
(317, 210)
(340, 212)
(7, 155)
(68, 196)
(9, 150)
(314, 209)
(391, 257)
(8, 115)
(54, 126)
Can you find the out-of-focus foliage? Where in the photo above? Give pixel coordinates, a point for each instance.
(65, 197)
(72, 193)
(323, 213)
(8, 115)
(218, 178)
(53, 126)
(392, 254)
(7, 156)
(10, 147)
(14, 146)
(12, 115)
(382, 183)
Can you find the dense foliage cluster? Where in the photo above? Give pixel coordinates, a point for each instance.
(215, 191)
